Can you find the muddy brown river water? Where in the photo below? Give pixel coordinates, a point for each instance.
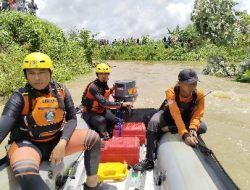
(227, 113)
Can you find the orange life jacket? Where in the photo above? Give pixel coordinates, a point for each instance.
(90, 103)
(42, 117)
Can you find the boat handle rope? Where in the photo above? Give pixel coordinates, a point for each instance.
(208, 152)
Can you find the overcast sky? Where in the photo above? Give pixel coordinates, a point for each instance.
(121, 18)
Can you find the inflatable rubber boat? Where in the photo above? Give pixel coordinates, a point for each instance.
(178, 167)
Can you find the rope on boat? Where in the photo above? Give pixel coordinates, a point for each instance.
(208, 152)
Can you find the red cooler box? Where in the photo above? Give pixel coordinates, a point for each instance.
(121, 149)
(132, 129)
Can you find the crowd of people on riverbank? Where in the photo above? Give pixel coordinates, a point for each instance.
(19, 5)
(172, 41)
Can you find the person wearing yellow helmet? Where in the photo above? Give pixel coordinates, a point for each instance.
(96, 105)
(37, 60)
(41, 119)
(37, 69)
(102, 68)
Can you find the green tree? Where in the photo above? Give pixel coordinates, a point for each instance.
(21, 34)
(87, 41)
(190, 35)
(243, 21)
(146, 39)
(215, 20)
(243, 33)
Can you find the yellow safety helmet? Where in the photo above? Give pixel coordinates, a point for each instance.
(102, 68)
(37, 60)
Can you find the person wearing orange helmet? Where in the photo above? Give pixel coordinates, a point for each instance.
(96, 105)
(41, 119)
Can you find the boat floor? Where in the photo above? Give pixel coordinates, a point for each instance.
(134, 180)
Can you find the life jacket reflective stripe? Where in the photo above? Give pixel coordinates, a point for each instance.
(42, 117)
(90, 103)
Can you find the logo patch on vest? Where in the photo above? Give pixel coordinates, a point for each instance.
(48, 101)
(49, 116)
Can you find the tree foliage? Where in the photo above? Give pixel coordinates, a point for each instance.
(215, 20)
(86, 41)
(217, 30)
(22, 33)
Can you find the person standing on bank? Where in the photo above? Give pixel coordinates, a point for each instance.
(181, 112)
(41, 119)
(96, 105)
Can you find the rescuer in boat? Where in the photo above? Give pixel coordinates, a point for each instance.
(41, 119)
(181, 112)
(96, 104)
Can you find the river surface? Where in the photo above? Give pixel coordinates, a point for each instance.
(227, 112)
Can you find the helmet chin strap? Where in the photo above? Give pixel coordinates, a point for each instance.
(25, 74)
